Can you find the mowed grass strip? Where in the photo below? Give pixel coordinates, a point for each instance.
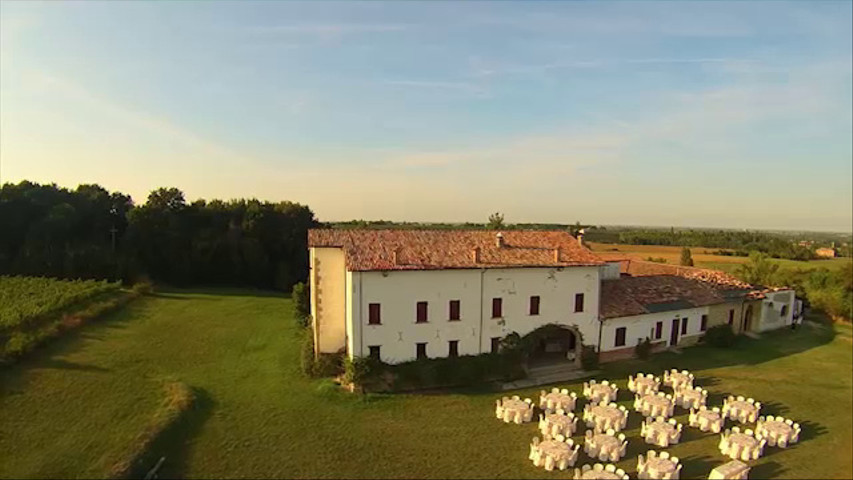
(77, 407)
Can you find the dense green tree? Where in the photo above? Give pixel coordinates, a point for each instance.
(92, 233)
(759, 270)
(686, 257)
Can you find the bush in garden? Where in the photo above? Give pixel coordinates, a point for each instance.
(719, 336)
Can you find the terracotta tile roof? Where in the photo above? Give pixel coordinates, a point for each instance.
(440, 249)
(638, 268)
(647, 294)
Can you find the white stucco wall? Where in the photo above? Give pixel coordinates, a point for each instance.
(611, 271)
(556, 288)
(771, 309)
(639, 327)
(328, 298)
(399, 291)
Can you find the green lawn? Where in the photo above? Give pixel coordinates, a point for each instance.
(784, 264)
(73, 407)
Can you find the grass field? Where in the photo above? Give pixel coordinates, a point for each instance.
(706, 258)
(70, 409)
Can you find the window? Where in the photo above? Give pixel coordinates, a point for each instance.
(684, 326)
(534, 305)
(373, 317)
(704, 325)
(731, 317)
(658, 330)
(421, 312)
(497, 307)
(420, 350)
(496, 344)
(453, 348)
(784, 311)
(578, 302)
(454, 310)
(620, 337)
(374, 352)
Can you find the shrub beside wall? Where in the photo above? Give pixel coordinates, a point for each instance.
(719, 336)
(643, 350)
(372, 375)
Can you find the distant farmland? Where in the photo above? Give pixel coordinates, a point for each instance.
(705, 257)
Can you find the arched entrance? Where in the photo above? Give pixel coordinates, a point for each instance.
(553, 344)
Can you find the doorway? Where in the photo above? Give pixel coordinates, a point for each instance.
(673, 335)
(747, 319)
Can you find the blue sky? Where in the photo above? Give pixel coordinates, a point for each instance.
(691, 114)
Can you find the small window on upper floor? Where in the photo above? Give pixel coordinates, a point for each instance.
(578, 302)
(454, 310)
(534, 305)
(497, 307)
(373, 317)
(421, 312)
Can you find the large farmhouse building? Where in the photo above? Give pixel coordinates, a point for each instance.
(399, 295)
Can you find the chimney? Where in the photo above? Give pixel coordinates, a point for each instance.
(396, 255)
(499, 240)
(475, 255)
(580, 237)
(557, 254)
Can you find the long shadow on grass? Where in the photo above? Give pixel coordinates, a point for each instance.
(695, 466)
(48, 355)
(174, 292)
(766, 470)
(174, 443)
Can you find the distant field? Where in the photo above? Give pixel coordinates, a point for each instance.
(705, 257)
(23, 299)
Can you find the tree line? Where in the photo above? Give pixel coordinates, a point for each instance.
(89, 232)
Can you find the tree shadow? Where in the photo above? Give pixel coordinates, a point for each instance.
(695, 466)
(168, 292)
(66, 365)
(174, 442)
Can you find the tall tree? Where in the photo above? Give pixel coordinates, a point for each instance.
(760, 270)
(496, 221)
(686, 257)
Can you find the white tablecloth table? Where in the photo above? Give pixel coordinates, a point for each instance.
(777, 431)
(643, 384)
(600, 472)
(733, 470)
(551, 453)
(553, 424)
(598, 392)
(654, 405)
(516, 410)
(658, 466)
(688, 398)
(607, 447)
(553, 401)
(707, 420)
(605, 416)
(739, 445)
(660, 432)
(675, 379)
(742, 411)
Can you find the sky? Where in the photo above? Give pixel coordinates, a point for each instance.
(717, 114)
